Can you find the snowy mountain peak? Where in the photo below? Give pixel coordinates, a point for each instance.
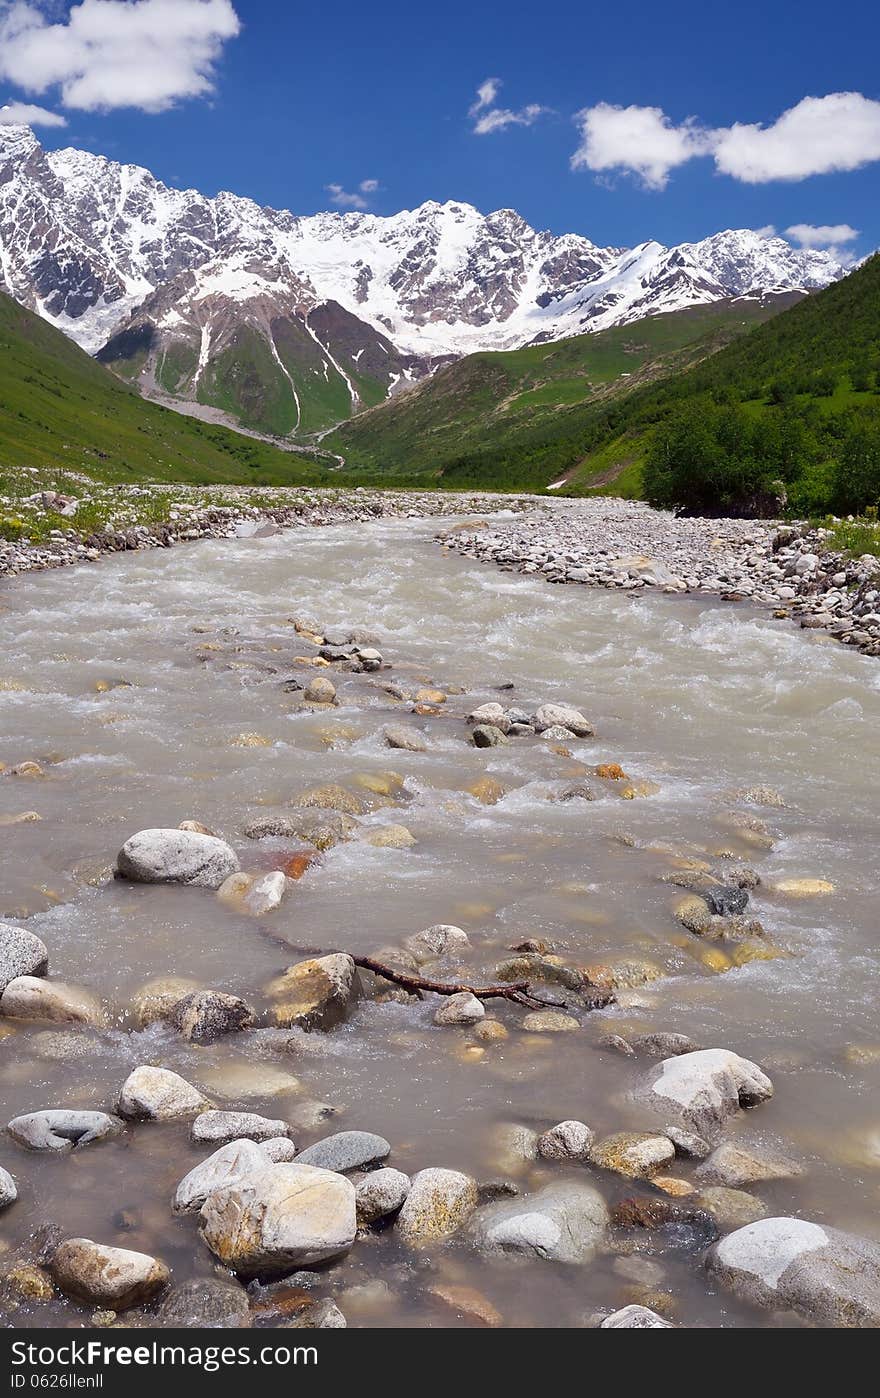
(103, 249)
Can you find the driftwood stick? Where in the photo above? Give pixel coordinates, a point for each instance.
(518, 991)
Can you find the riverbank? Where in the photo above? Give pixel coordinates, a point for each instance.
(79, 521)
(789, 569)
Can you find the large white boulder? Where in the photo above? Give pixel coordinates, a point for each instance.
(705, 1089)
(280, 1218)
(176, 856)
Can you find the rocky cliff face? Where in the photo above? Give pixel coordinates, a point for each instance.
(290, 324)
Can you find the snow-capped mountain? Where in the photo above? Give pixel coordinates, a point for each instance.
(290, 323)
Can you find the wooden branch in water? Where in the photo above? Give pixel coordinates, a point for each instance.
(518, 991)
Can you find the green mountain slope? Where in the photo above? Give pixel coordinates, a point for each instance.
(500, 403)
(59, 408)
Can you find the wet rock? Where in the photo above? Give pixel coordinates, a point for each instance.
(244, 1078)
(21, 954)
(463, 1008)
(280, 1149)
(8, 1189)
(331, 797)
(31, 997)
(693, 913)
(440, 940)
(702, 1091)
(207, 1015)
(346, 1150)
(634, 1154)
(468, 1303)
(635, 1318)
(157, 1094)
(490, 716)
(488, 790)
(491, 1031)
(831, 1278)
(219, 1127)
(438, 1204)
(562, 716)
(283, 1217)
(687, 1143)
(380, 1194)
(314, 994)
(802, 888)
(107, 1276)
(321, 828)
(731, 1208)
(615, 1043)
(156, 1000)
(57, 1129)
(563, 1222)
(568, 1140)
(549, 1022)
(391, 837)
(265, 894)
(320, 690)
(227, 1166)
(727, 901)
(205, 1303)
(575, 791)
(176, 856)
(486, 735)
(197, 828)
(397, 735)
(759, 796)
(737, 1164)
(663, 1044)
(515, 1145)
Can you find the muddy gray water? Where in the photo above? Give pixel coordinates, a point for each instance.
(696, 696)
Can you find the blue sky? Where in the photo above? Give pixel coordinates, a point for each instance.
(305, 97)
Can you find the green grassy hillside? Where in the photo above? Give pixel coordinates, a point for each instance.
(61, 409)
(500, 403)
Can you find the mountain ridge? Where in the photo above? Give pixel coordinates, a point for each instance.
(90, 243)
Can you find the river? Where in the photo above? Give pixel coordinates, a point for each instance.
(695, 695)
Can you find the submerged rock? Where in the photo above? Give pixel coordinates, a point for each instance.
(635, 1318)
(463, 1008)
(736, 1164)
(205, 1303)
(31, 997)
(569, 1140)
(398, 735)
(832, 1278)
(634, 1154)
(564, 1222)
(283, 1217)
(58, 1129)
(440, 940)
(176, 856)
(107, 1276)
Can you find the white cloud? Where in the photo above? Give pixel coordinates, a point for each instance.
(499, 117)
(817, 136)
(641, 140)
(821, 235)
(26, 114)
(768, 231)
(489, 118)
(352, 199)
(147, 54)
(486, 94)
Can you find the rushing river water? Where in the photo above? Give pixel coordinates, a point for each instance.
(697, 696)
